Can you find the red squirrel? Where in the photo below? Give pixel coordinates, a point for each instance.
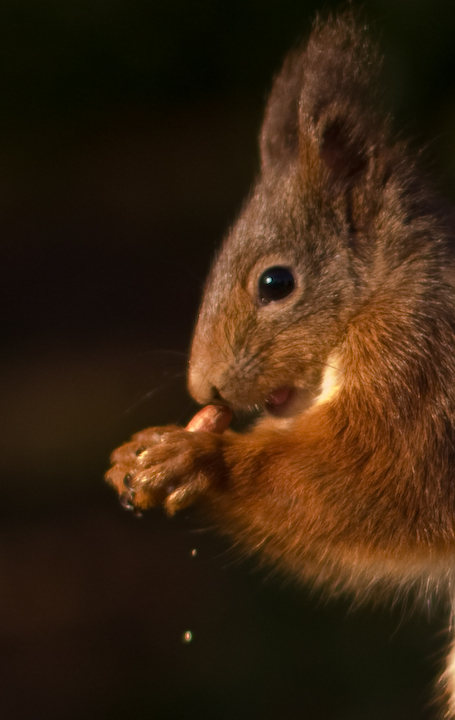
(330, 307)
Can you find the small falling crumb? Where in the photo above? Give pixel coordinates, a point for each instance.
(193, 552)
(187, 636)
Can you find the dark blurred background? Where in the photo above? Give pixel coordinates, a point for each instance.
(128, 138)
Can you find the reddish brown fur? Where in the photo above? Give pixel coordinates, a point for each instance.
(358, 489)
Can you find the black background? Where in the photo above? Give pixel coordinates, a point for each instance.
(128, 138)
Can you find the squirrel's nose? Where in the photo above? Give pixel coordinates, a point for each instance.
(202, 389)
(207, 370)
(215, 395)
(199, 384)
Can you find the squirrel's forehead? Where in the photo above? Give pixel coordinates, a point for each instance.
(271, 224)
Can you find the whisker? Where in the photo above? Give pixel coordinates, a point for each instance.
(256, 356)
(153, 392)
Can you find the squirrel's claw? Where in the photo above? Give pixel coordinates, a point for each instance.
(162, 466)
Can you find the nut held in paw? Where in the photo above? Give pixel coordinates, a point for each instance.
(212, 418)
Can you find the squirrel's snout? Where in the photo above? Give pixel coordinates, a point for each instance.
(207, 372)
(201, 386)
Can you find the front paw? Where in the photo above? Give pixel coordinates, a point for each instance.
(170, 465)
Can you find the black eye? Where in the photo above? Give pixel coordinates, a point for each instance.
(276, 283)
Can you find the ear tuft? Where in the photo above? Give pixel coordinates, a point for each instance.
(323, 104)
(341, 66)
(339, 98)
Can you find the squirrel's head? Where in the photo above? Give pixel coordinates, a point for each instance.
(293, 269)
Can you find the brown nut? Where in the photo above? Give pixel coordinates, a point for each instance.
(212, 418)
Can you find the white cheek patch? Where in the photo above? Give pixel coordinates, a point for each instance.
(331, 381)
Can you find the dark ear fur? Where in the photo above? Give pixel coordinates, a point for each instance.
(321, 106)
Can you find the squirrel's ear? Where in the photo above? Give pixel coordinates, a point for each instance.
(340, 130)
(323, 106)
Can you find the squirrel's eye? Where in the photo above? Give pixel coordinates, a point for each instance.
(276, 283)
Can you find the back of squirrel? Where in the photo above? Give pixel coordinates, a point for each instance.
(331, 307)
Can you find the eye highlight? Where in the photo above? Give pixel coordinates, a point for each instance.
(275, 284)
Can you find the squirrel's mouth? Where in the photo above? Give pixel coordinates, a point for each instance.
(279, 402)
(287, 401)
